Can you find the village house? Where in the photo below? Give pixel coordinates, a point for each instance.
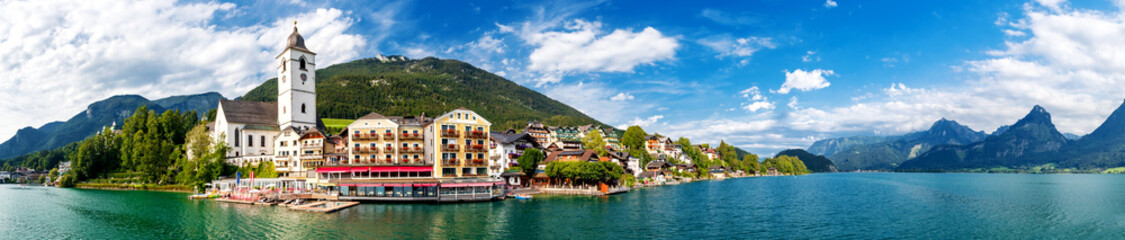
(506, 147)
(718, 172)
(539, 131)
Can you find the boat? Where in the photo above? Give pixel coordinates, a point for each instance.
(523, 197)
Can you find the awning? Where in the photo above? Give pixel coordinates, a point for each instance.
(332, 169)
(401, 169)
(360, 169)
(396, 185)
(426, 185)
(347, 185)
(483, 184)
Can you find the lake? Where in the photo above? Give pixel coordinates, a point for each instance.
(821, 206)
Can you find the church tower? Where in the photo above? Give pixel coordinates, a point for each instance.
(296, 84)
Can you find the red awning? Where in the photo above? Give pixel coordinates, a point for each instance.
(401, 169)
(397, 185)
(361, 169)
(369, 185)
(416, 169)
(425, 185)
(331, 169)
(483, 184)
(347, 185)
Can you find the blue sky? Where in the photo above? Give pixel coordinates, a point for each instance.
(763, 75)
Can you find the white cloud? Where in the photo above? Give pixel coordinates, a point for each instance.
(583, 47)
(64, 55)
(728, 46)
(810, 56)
(755, 100)
(805, 80)
(590, 98)
(830, 4)
(621, 97)
(643, 123)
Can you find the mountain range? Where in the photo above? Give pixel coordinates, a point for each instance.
(886, 153)
(96, 116)
(1033, 140)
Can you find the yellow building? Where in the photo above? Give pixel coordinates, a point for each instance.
(458, 141)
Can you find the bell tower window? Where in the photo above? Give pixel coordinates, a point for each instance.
(302, 108)
(303, 63)
(283, 65)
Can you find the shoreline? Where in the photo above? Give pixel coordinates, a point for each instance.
(153, 188)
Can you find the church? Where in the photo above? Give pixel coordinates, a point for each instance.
(288, 132)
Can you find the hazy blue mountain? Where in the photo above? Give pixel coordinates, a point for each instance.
(200, 103)
(1071, 136)
(815, 163)
(831, 146)
(887, 155)
(96, 116)
(1033, 140)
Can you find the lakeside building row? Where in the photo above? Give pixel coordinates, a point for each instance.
(454, 156)
(384, 158)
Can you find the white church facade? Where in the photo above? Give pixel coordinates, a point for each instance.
(285, 132)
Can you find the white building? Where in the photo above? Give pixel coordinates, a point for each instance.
(506, 148)
(286, 132)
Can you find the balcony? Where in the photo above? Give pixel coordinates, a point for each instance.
(365, 136)
(477, 162)
(450, 162)
(389, 149)
(411, 136)
(412, 161)
(477, 148)
(363, 149)
(389, 136)
(477, 134)
(410, 149)
(450, 148)
(450, 133)
(311, 146)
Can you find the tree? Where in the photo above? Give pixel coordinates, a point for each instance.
(595, 142)
(203, 159)
(634, 138)
(529, 161)
(97, 155)
(53, 174)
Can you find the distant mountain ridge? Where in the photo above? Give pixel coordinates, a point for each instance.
(1033, 140)
(96, 116)
(888, 154)
(815, 163)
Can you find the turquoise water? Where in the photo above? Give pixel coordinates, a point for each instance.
(820, 206)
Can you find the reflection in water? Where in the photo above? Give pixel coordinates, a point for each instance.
(865, 205)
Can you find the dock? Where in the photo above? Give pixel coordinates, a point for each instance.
(323, 206)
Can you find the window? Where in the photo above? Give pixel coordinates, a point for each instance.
(303, 63)
(282, 109)
(263, 141)
(282, 79)
(302, 108)
(250, 140)
(468, 156)
(283, 67)
(237, 137)
(480, 155)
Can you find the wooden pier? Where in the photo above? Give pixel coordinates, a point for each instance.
(323, 206)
